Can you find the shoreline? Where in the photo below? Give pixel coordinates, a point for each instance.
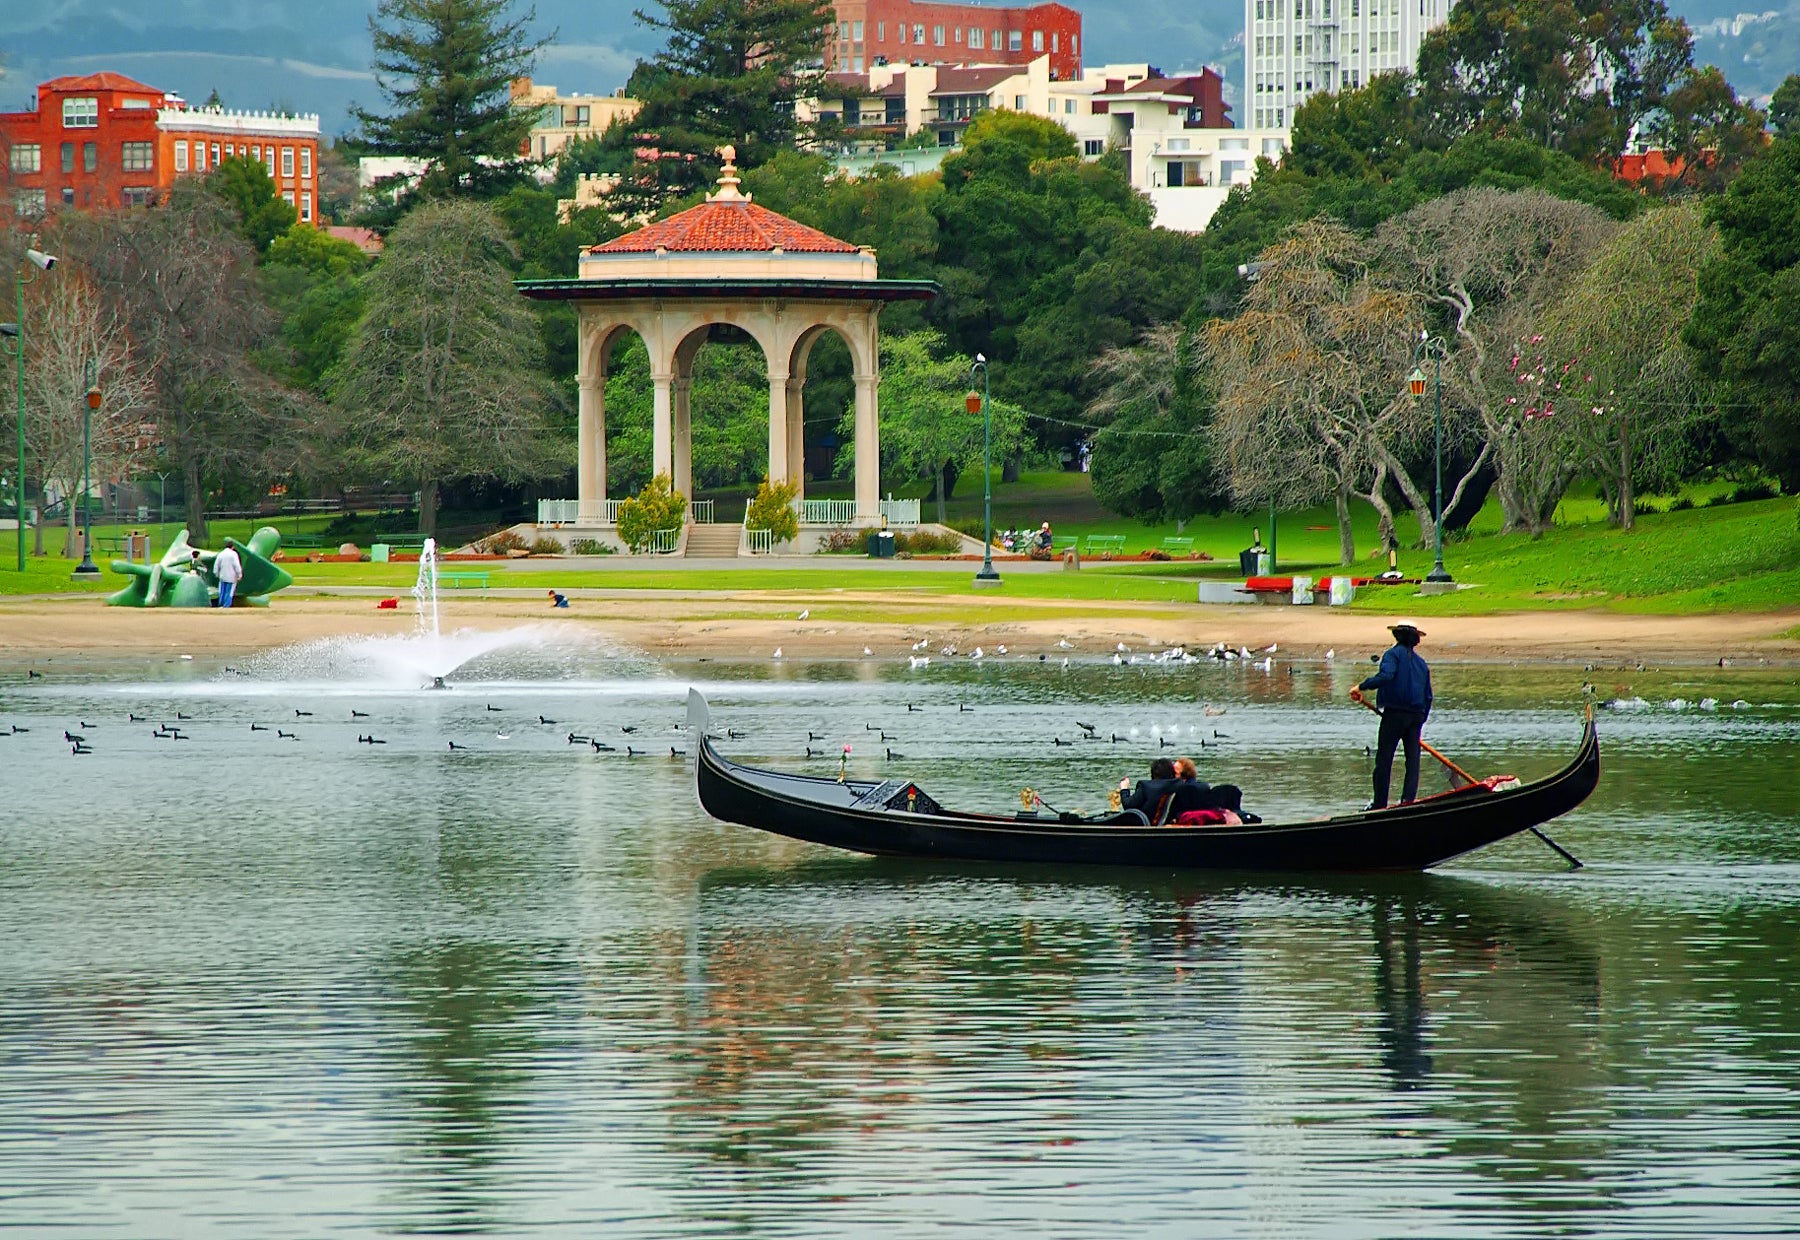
(748, 626)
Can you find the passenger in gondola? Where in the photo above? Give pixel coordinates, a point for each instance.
(1147, 796)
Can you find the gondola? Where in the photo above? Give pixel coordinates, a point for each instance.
(897, 818)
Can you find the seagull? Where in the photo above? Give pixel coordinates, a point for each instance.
(948, 650)
(503, 736)
(1243, 652)
(1118, 661)
(1002, 649)
(1270, 648)
(867, 652)
(1065, 644)
(1065, 661)
(777, 653)
(921, 643)
(1121, 647)
(1085, 727)
(1212, 710)
(977, 653)
(918, 660)
(804, 614)
(1331, 654)
(1263, 665)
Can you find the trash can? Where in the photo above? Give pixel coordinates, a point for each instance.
(137, 546)
(1343, 591)
(1247, 561)
(378, 554)
(881, 545)
(1302, 591)
(1265, 563)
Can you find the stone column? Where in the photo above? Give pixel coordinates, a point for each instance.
(796, 433)
(590, 434)
(868, 451)
(780, 462)
(683, 438)
(662, 440)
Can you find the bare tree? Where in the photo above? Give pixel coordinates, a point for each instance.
(1309, 376)
(75, 340)
(1624, 387)
(1488, 262)
(181, 281)
(445, 379)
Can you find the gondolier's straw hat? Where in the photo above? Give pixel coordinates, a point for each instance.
(1404, 627)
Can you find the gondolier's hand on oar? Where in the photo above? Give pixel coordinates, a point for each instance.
(1356, 695)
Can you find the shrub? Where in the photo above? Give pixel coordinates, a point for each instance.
(837, 542)
(773, 510)
(1745, 492)
(656, 508)
(590, 546)
(501, 543)
(546, 545)
(927, 542)
(1682, 503)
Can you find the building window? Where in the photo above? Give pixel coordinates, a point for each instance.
(1068, 107)
(68, 157)
(1178, 144)
(29, 202)
(902, 26)
(1015, 41)
(138, 195)
(306, 163)
(997, 43)
(1054, 37)
(90, 157)
(287, 161)
(1074, 45)
(1018, 103)
(1230, 170)
(289, 197)
(306, 207)
(1093, 146)
(881, 32)
(919, 33)
(974, 38)
(181, 164)
(135, 156)
(26, 157)
(856, 32)
(937, 35)
(215, 154)
(1037, 40)
(81, 113)
(269, 159)
(68, 195)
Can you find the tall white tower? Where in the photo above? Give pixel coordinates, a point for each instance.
(1294, 48)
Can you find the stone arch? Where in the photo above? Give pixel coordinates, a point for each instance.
(682, 356)
(598, 333)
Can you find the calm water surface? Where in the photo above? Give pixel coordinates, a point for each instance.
(259, 986)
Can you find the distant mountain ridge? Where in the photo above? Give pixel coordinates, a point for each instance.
(314, 58)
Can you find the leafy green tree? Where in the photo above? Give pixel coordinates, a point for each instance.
(926, 428)
(729, 402)
(446, 69)
(656, 508)
(313, 281)
(444, 378)
(729, 74)
(550, 248)
(246, 184)
(1153, 458)
(1784, 107)
(1746, 327)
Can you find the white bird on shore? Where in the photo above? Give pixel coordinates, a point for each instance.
(977, 653)
(1268, 649)
(777, 653)
(1121, 647)
(1002, 649)
(921, 643)
(1065, 661)
(866, 650)
(804, 614)
(1065, 644)
(1243, 652)
(1118, 659)
(917, 661)
(1331, 654)
(1263, 665)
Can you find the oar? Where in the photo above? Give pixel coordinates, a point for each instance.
(1565, 854)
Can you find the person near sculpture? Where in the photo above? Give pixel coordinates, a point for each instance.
(229, 569)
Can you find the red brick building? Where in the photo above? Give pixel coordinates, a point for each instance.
(104, 140)
(898, 32)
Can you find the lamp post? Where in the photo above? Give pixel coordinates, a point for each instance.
(16, 330)
(87, 570)
(977, 402)
(1435, 348)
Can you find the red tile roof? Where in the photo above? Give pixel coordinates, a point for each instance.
(97, 81)
(732, 225)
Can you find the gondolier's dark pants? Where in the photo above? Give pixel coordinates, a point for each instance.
(1397, 727)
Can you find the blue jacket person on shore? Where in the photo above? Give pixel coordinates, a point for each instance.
(1402, 687)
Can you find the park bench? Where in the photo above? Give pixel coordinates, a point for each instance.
(1104, 545)
(1062, 543)
(464, 578)
(412, 542)
(296, 542)
(1178, 546)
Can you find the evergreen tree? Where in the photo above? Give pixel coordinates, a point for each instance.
(446, 68)
(729, 75)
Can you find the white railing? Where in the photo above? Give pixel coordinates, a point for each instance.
(609, 511)
(558, 511)
(900, 511)
(760, 542)
(826, 511)
(662, 542)
(700, 511)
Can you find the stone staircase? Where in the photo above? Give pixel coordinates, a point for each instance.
(714, 542)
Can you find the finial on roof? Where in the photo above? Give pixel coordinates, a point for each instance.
(728, 178)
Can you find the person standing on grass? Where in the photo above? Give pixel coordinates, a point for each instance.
(1402, 687)
(229, 569)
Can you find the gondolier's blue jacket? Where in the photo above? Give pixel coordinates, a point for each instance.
(1403, 682)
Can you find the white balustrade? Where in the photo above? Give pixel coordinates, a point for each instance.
(662, 542)
(760, 542)
(700, 511)
(558, 511)
(900, 511)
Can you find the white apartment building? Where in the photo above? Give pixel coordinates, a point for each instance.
(563, 118)
(1179, 146)
(1294, 48)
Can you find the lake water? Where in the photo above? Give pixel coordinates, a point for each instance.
(261, 986)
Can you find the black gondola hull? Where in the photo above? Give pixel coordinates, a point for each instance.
(1409, 837)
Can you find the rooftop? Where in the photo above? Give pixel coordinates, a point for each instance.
(727, 222)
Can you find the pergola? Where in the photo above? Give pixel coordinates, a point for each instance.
(727, 261)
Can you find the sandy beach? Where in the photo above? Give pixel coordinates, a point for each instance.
(748, 625)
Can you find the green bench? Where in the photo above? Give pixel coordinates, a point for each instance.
(301, 541)
(1178, 546)
(412, 542)
(1104, 545)
(463, 579)
(1063, 542)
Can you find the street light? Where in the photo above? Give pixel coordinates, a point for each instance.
(1436, 349)
(977, 402)
(16, 331)
(87, 569)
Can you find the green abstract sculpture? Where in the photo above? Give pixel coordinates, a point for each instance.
(184, 577)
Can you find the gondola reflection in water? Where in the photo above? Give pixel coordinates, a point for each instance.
(898, 818)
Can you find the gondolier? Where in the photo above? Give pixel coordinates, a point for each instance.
(1402, 687)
